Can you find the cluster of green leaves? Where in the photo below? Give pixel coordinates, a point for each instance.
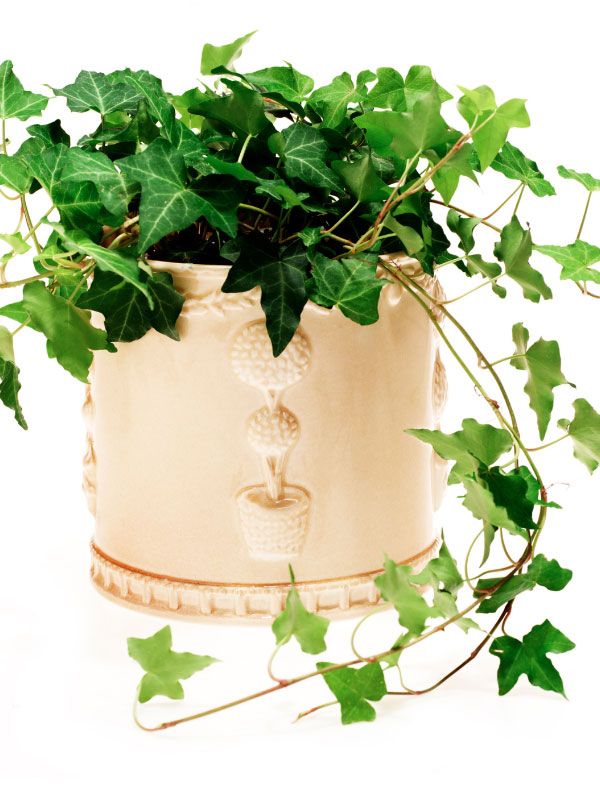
(300, 188)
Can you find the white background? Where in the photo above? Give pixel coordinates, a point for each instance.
(66, 682)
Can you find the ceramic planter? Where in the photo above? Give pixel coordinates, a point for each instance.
(211, 465)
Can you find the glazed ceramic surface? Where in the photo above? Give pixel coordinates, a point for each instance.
(211, 465)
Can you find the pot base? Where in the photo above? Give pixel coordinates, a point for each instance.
(176, 597)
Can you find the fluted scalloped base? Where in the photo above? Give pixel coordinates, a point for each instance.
(161, 594)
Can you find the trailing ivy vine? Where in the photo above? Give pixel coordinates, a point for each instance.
(304, 191)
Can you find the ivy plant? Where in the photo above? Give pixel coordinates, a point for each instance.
(304, 191)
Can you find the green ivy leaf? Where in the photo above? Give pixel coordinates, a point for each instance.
(331, 101)
(304, 154)
(95, 167)
(352, 689)
(225, 55)
(419, 84)
(540, 572)
(116, 261)
(130, 313)
(95, 91)
(502, 499)
(350, 284)
(308, 629)
(542, 363)
(478, 106)
(514, 249)
(412, 242)
(285, 81)
(163, 667)
(447, 177)
(388, 92)
(167, 204)
(584, 178)
(511, 162)
(584, 430)
(362, 179)
(463, 227)
(17, 245)
(14, 174)
(404, 134)
(67, 328)
(9, 377)
(242, 109)
(281, 273)
(396, 586)
(575, 259)
(529, 657)
(16, 102)
(473, 445)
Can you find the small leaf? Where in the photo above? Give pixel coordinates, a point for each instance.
(349, 283)
(225, 55)
(511, 162)
(332, 101)
(412, 242)
(395, 586)
(463, 227)
(95, 167)
(584, 430)
(575, 259)
(353, 688)
(478, 106)
(308, 629)
(502, 499)
(15, 101)
(514, 249)
(66, 327)
(584, 178)
(540, 572)
(285, 81)
(164, 668)
(17, 245)
(9, 377)
(280, 272)
(530, 658)
(542, 362)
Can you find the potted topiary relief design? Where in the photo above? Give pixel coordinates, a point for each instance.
(245, 276)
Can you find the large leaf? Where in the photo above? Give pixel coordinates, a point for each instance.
(281, 273)
(514, 249)
(350, 284)
(502, 499)
(530, 657)
(16, 101)
(584, 431)
(67, 328)
(167, 203)
(128, 313)
(478, 107)
(9, 377)
(304, 155)
(285, 81)
(95, 91)
(575, 259)
(14, 174)
(473, 445)
(511, 162)
(224, 55)
(362, 179)
(405, 134)
(353, 688)
(540, 572)
(95, 167)
(163, 667)
(542, 363)
(584, 178)
(241, 109)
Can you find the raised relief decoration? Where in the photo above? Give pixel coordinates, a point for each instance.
(273, 514)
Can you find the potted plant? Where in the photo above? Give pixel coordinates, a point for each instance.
(205, 262)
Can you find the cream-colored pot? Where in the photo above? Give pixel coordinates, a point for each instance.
(211, 465)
